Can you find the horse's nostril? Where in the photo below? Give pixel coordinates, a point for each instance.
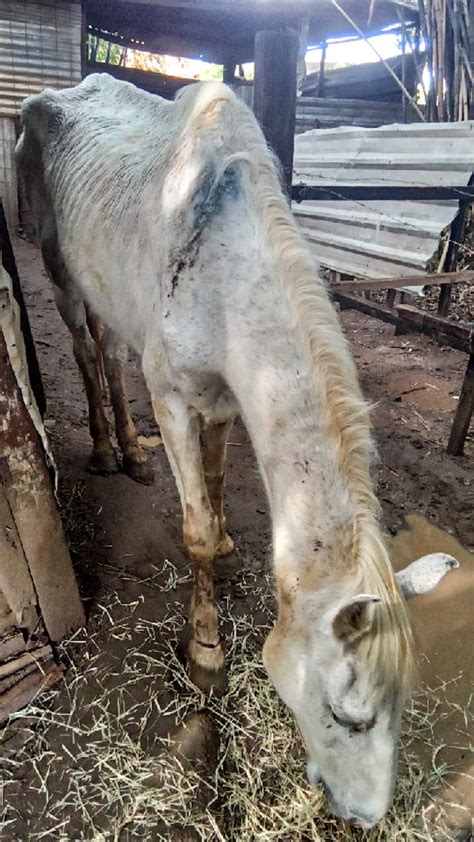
(356, 821)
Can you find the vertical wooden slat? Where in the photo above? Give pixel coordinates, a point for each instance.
(464, 411)
(15, 579)
(455, 240)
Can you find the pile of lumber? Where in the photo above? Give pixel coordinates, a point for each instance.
(26, 668)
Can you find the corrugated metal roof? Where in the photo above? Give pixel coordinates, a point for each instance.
(40, 47)
(381, 239)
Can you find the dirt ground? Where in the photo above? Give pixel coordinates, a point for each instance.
(123, 534)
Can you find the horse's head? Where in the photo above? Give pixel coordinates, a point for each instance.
(320, 658)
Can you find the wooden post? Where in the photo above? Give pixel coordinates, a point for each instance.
(322, 68)
(471, 56)
(274, 101)
(404, 51)
(463, 416)
(229, 71)
(9, 264)
(27, 489)
(455, 240)
(84, 39)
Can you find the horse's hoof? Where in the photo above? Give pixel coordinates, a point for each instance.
(226, 546)
(138, 471)
(103, 462)
(196, 742)
(208, 680)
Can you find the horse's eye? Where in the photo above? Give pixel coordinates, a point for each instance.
(344, 723)
(352, 725)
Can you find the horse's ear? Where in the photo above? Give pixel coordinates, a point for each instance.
(355, 618)
(424, 574)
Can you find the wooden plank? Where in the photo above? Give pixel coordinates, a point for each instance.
(12, 645)
(443, 331)
(27, 487)
(274, 100)
(26, 660)
(28, 688)
(429, 323)
(156, 83)
(380, 193)
(432, 279)
(15, 579)
(354, 104)
(465, 408)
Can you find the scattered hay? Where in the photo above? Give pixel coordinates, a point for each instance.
(98, 772)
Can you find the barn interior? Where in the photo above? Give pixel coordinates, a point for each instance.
(95, 582)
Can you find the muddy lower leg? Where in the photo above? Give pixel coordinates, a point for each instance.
(71, 307)
(134, 459)
(96, 330)
(213, 447)
(180, 432)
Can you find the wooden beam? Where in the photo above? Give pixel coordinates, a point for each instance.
(432, 325)
(274, 100)
(444, 332)
(380, 193)
(410, 318)
(432, 279)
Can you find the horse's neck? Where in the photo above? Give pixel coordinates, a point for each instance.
(309, 499)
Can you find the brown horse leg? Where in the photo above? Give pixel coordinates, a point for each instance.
(180, 432)
(96, 330)
(72, 309)
(214, 447)
(134, 460)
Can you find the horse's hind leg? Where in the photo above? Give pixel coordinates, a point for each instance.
(72, 309)
(180, 429)
(134, 460)
(96, 330)
(214, 446)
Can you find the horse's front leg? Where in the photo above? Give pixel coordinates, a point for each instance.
(180, 429)
(214, 447)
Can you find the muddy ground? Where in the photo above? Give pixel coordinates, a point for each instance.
(122, 534)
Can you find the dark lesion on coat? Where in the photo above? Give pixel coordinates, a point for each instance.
(207, 202)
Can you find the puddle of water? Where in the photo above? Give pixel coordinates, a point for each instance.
(445, 617)
(444, 625)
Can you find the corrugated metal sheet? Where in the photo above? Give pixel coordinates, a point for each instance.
(40, 46)
(324, 113)
(317, 113)
(381, 239)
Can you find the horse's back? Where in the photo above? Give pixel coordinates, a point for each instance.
(145, 195)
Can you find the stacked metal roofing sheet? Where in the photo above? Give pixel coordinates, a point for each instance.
(381, 239)
(40, 47)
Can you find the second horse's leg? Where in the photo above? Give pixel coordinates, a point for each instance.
(134, 460)
(72, 309)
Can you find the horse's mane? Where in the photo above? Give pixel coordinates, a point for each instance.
(214, 108)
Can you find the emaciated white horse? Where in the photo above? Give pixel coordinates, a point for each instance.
(171, 223)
